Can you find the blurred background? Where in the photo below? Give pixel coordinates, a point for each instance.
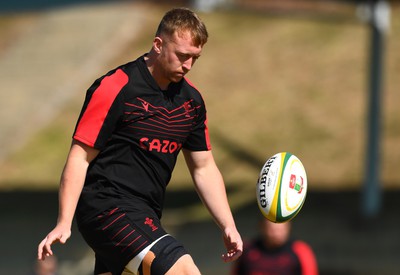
(317, 78)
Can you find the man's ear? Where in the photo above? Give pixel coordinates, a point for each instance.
(157, 44)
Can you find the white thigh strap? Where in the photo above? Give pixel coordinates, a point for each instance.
(134, 264)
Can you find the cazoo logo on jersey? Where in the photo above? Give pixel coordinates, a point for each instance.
(160, 145)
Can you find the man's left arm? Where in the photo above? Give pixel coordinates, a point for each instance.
(211, 189)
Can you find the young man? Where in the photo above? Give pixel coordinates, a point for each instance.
(134, 122)
(274, 252)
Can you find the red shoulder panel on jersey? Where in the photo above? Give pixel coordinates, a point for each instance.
(103, 97)
(306, 257)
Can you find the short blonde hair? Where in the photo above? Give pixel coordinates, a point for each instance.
(180, 20)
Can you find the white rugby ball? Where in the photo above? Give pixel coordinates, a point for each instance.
(281, 187)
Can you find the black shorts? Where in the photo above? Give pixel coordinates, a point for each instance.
(118, 235)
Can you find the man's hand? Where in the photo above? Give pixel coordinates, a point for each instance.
(59, 234)
(234, 245)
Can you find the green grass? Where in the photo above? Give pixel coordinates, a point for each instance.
(271, 84)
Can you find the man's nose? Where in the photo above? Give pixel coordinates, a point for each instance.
(187, 65)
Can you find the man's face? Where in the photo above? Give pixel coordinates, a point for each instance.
(177, 56)
(275, 234)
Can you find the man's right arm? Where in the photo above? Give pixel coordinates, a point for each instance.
(72, 181)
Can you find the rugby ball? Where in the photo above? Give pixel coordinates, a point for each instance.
(281, 187)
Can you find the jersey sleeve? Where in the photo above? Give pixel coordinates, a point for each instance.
(199, 139)
(101, 110)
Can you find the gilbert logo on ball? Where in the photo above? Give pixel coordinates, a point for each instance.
(281, 187)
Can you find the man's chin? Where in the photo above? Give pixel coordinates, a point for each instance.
(176, 79)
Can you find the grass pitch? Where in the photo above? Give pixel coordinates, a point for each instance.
(271, 83)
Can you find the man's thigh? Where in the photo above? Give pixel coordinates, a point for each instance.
(168, 256)
(118, 235)
(183, 266)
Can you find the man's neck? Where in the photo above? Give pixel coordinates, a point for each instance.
(151, 62)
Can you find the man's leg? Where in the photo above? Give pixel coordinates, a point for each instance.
(185, 266)
(168, 256)
(146, 263)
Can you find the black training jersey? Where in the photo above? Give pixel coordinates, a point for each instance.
(294, 258)
(139, 130)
